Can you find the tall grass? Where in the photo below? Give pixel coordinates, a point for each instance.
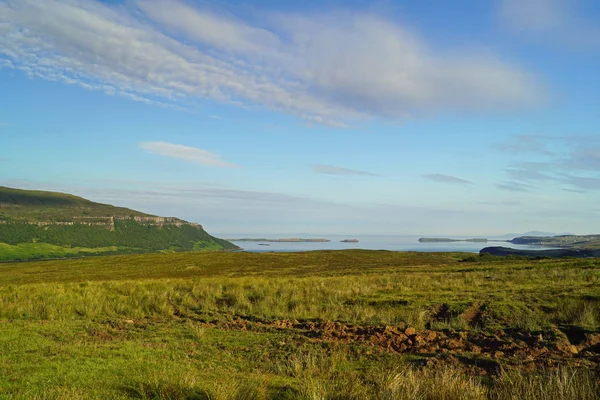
(142, 325)
(389, 299)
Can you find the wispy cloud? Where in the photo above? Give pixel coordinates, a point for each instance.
(582, 182)
(586, 159)
(447, 179)
(186, 153)
(554, 20)
(327, 69)
(333, 170)
(514, 186)
(525, 144)
(530, 172)
(511, 203)
(574, 161)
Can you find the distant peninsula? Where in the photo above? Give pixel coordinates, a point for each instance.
(349, 241)
(285, 240)
(562, 241)
(580, 246)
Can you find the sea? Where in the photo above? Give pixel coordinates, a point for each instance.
(376, 242)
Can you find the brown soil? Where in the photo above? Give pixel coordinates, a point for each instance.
(484, 351)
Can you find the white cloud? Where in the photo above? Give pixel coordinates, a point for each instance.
(333, 170)
(208, 28)
(185, 153)
(329, 69)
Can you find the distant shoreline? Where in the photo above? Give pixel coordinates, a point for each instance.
(286, 240)
(448, 240)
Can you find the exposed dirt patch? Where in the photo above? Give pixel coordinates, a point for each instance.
(484, 351)
(475, 315)
(443, 313)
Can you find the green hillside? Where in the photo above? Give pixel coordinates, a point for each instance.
(36, 205)
(36, 224)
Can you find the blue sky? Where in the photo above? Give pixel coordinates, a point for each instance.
(321, 117)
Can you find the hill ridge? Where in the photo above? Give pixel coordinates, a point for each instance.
(32, 219)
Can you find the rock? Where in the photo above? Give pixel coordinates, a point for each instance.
(410, 331)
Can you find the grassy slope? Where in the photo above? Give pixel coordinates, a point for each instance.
(32, 251)
(31, 241)
(132, 326)
(35, 205)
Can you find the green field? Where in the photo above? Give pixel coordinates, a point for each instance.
(315, 325)
(32, 251)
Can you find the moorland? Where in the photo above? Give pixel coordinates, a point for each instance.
(349, 324)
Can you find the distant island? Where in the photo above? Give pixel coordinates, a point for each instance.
(448, 240)
(286, 240)
(349, 241)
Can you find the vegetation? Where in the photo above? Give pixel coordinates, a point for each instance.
(40, 206)
(313, 325)
(33, 251)
(49, 225)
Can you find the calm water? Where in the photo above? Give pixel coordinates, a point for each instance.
(395, 243)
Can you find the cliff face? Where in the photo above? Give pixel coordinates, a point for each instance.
(108, 222)
(160, 221)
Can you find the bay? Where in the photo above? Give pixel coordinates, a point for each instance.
(376, 242)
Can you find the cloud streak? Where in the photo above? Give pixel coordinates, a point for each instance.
(333, 170)
(327, 69)
(447, 179)
(514, 187)
(573, 161)
(525, 144)
(186, 153)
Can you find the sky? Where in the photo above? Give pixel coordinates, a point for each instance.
(324, 117)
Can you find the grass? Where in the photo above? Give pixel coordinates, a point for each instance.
(32, 251)
(160, 326)
(36, 205)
